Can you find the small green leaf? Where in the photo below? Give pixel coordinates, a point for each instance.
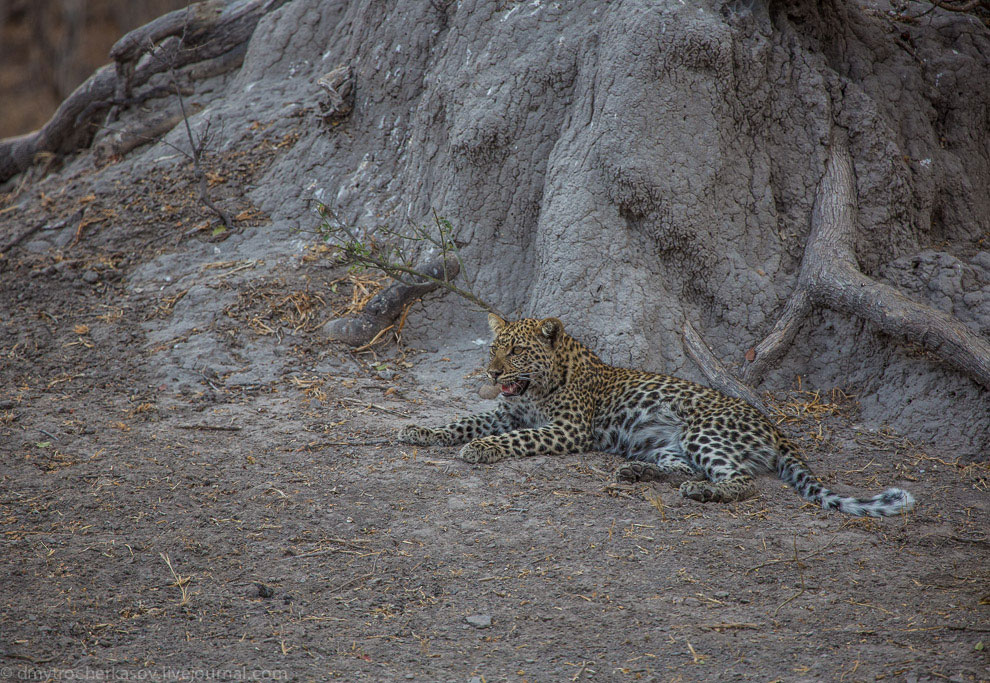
(44, 444)
(979, 646)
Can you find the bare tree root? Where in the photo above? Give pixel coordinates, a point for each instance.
(206, 30)
(830, 277)
(117, 143)
(965, 6)
(718, 374)
(209, 30)
(385, 306)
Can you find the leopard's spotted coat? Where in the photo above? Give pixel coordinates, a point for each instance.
(558, 397)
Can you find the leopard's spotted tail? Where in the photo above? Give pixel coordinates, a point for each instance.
(794, 472)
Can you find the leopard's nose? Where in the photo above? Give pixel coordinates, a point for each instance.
(494, 374)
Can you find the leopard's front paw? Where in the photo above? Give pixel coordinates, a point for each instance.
(418, 436)
(481, 451)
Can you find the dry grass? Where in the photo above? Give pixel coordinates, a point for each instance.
(311, 386)
(182, 582)
(296, 310)
(393, 331)
(803, 405)
(167, 305)
(364, 285)
(271, 307)
(656, 501)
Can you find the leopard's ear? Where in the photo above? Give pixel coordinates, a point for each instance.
(551, 329)
(496, 323)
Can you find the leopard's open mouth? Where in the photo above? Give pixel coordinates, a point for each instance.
(515, 389)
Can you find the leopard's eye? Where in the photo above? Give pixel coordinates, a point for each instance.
(515, 350)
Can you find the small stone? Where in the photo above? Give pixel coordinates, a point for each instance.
(386, 374)
(6, 404)
(488, 392)
(479, 620)
(264, 590)
(90, 277)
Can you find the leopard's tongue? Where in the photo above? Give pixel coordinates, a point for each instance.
(511, 389)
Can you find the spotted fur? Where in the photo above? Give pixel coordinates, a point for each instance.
(558, 397)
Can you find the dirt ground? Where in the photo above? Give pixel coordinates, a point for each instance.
(275, 529)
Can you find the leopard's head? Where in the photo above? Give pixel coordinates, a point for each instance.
(524, 355)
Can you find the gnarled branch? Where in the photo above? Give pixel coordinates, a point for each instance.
(385, 306)
(207, 30)
(830, 277)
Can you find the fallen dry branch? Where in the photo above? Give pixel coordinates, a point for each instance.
(206, 30)
(385, 306)
(328, 444)
(730, 625)
(830, 278)
(211, 428)
(347, 584)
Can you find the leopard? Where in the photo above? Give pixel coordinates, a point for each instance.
(556, 397)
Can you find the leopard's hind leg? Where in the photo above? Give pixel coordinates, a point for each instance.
(732, 488)
(728, 460)
(660, 464)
